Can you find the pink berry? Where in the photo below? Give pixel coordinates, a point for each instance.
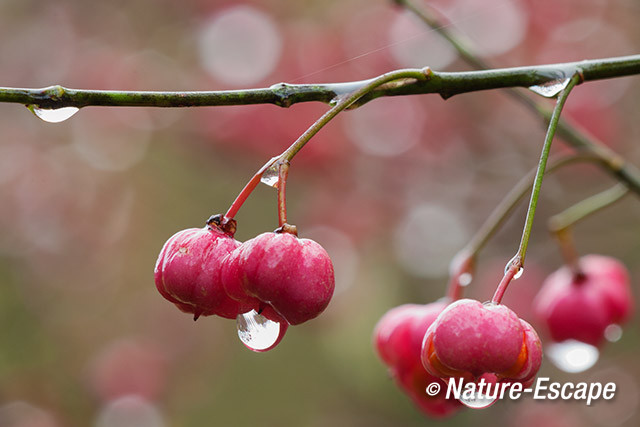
(187, 272)
(469, 339)
(528, 370)
(581, 306)
(294, 276)
(398, 339)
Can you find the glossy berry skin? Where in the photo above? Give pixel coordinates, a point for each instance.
(470, 339)
(294, 276)
(187, 272)
(580, 307)
(398, 339)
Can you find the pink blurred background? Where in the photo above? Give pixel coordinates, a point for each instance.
(391, 190)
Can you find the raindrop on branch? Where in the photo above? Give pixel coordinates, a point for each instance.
(271, 176)
(550, 89)
(518, 273)
(56, 115)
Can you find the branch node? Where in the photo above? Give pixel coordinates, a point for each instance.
(283, 92)
(55, 92)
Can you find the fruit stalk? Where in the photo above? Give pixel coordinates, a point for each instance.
(463, 262)
(517, 262)
(283, 173)
(400, 77)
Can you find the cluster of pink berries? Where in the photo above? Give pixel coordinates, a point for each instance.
(468, 340)
(274, 277)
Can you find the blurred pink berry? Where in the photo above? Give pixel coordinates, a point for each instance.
(580, 306)
(398, 339)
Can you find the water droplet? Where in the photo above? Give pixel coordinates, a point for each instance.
(477, 400)
(256, 331)
(270, 176)
(550, 89)
(613, 333)
(53, 115)
(465, 279)
(572, 356)
(518, 273)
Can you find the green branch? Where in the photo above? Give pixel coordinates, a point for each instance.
(611, 161)
(446, 84)
(565, 219)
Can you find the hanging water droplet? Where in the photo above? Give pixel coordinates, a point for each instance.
(613, 333)
(56, 115)
(256, 331)
(518, 273)
(550, 89)
(270, 176)
(465, 279)
(477, 400)
(572, 356)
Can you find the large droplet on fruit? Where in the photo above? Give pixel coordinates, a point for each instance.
(256, 331)
(53, 115)
(550, 89)
(572, 356)
(477, 400)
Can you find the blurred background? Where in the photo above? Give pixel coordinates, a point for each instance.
(392, 190)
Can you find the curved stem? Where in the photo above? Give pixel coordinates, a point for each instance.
(343, 102)
(461, 269)
(509, 274)
(419, 75)
(517, 262)
(586, 207)
(247, 190)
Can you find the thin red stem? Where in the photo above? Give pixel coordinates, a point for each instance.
(283, 173)
(247, 190)
(513, 269)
